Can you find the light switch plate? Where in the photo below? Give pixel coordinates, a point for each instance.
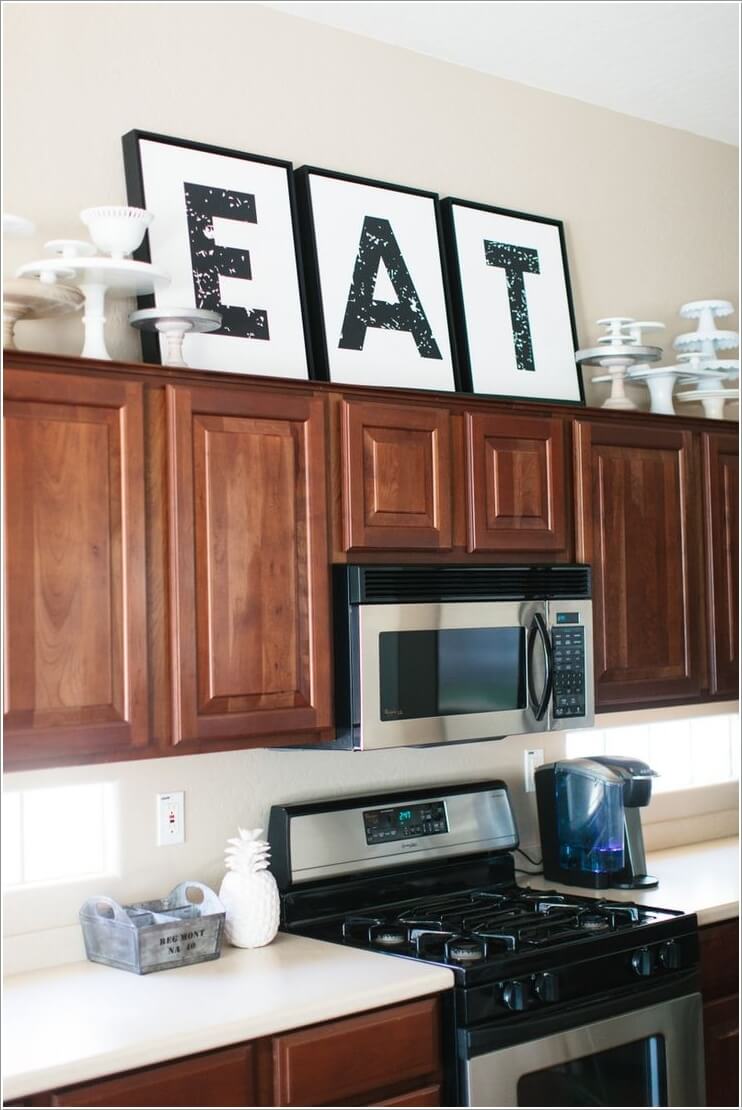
(170, 818)
(532, 758)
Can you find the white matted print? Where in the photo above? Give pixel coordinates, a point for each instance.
(513, 303)
(224, 229)
(378, 285)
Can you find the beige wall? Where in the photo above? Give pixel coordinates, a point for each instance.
(650, 217)
(650, 212)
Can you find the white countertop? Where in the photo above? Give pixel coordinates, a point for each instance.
(696, 878)
(82, 1021)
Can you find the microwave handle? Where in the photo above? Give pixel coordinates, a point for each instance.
(538, 628)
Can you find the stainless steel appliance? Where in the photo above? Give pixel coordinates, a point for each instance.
(437, 654)
(588, 812)
(558, 1000)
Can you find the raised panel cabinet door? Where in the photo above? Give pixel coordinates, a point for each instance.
(516, 484)
(249, 569)
(721, 492)
(721, 1042)
(75, 622)
(346, 1059)
(222, 1078)
(638, 526)
(396, 477)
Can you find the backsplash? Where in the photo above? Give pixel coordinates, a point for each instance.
(226, 789)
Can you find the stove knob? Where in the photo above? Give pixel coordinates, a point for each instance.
(546, 986)
(516, 995)
(670, 955)
(642, 961)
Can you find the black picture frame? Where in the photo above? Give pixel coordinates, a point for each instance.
(136, 194)
(308, 232)
(460, 308)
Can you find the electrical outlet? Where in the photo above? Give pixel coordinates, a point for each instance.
(170, 819)
(532, 759)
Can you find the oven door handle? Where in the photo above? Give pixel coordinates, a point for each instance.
(538, 628)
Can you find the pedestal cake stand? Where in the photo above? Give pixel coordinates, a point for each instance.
(96, 276)
(27, 299)
(175, 324)
(617, 351)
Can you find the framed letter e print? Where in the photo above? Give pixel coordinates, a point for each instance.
(377, 282)
(513, 305)
(225, 231)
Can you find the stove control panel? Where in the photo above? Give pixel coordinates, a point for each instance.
(404, 822)
(568, 642)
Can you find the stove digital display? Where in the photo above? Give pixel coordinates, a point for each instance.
(405, 822)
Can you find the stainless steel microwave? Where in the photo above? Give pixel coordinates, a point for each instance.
(440, 654)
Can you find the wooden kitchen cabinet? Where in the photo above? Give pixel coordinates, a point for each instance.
(516, 485)
(76, 682)
(721, 510)
(387, 1057)
(395, 473)
(249, 573)
(226, 1077)
(340, 1062)
(720, 985)
(638, 525)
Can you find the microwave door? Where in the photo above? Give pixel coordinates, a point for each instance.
(435, 673)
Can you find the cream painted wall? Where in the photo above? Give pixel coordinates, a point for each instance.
(650, 212)
(650, 216)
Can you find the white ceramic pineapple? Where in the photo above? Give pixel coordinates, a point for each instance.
(249, 892)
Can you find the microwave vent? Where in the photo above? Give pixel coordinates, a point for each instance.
(463, 583)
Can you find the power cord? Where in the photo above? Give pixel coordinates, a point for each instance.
(533, 862)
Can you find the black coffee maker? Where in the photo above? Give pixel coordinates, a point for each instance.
(589, 821)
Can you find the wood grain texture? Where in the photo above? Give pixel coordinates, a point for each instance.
(75, 621)
(721, 1043)
(339, 1060)
(422, 1096)
(222, 1078)
(249, 567)
(516, 485)
(639, 527)
(396, 477)
(721, 508)
(719, 945)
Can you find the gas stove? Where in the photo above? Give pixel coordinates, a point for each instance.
(430, 875)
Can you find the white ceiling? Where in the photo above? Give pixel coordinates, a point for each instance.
(672, 63)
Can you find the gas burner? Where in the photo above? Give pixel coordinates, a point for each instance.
(595, 922)
(387, 936)
(465, 950)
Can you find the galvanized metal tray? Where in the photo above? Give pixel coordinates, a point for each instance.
(184, 928)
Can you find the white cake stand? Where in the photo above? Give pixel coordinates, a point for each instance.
(660, 381)
(16, 227)
(713, 400)
(26, 299)
(708, 373)
(175, 324)
(617, 359)
(707, 339)
(97, 276)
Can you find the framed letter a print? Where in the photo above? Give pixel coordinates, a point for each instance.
(513, 305)
(225, 230)
(377, 282)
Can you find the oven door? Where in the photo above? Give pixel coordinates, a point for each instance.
(432, 673)
(647, 1057)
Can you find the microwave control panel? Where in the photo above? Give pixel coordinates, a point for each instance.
(403, 822)
(568, 642)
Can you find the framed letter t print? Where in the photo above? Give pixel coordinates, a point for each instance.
(225, 230)
(377, 282)
(513, 305)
